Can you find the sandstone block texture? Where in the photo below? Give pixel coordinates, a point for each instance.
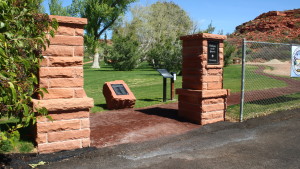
(202, 99)
(61, 73)
(118, 99)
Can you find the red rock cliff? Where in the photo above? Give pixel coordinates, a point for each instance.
(276, 26)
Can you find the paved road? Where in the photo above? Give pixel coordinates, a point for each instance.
(266, 142)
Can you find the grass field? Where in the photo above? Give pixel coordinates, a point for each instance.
(146, 83)
(264, 107)
(232, 79)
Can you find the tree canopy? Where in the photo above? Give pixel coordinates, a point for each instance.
(158, 28)
(101, 15)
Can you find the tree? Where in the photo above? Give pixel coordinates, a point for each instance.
(158, 28)
(101, 15)
(56, 8)
(228, 52)
(210, 29)
(41, 8)
(123, 55)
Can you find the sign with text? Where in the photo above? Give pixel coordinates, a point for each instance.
(119, 89)
(295, 67)
(213, 53)
(165, 73)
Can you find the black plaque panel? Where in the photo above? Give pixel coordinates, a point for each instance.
(213, 53)
(119, 89)
(164, 73)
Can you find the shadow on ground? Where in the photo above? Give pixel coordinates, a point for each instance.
(162, 112)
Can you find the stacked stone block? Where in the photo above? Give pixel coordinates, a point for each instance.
(202, 98)
(61, 73)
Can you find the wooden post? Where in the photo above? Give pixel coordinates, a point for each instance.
(165, 90)
(172, 88)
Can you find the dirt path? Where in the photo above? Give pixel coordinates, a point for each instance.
(293, 86)
(88, 62)
(136, 125)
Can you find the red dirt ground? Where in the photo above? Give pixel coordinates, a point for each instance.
(136, 125)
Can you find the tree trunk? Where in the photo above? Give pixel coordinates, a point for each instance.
(96, 61)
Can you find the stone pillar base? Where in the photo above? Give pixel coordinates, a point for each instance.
(202, 106)
(70, 125)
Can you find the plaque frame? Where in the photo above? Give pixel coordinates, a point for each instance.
(212, 51)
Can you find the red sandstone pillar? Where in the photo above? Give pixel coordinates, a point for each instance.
(202, 98)
(61, 73)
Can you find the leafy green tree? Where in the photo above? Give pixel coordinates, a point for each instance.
(123, 55)
(56, 8)
(229, 50)
(166, 54)
(22, 38)
(74, 10)
(158, 28)
(210, 29)
(41, 8)
(101, 15)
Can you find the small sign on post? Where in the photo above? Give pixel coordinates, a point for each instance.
(213, 53)
(166, 75)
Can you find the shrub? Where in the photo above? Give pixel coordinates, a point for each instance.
(166, 55)
(228, 52)
(123, 54)
(22, 38)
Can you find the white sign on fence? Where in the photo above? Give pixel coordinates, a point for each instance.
(295, 67)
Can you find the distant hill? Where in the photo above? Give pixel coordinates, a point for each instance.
(273, 26)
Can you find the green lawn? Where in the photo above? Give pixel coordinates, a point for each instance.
(264, 107)
(232, 79)
(146, 83)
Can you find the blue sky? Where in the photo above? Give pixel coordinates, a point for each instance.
(224, 14)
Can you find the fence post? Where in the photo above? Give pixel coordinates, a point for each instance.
(243, 80)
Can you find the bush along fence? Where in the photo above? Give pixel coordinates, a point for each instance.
(267, 66)
(61, 73)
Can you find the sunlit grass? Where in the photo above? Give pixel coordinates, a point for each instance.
(264, 107)
(146, 83)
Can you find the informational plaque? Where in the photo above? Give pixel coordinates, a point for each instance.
(119, 89)
(295, 67)
(213, 53)
(165, 73)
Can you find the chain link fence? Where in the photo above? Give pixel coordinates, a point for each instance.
(266, 82)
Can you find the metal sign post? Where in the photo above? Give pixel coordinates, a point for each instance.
(165, 75)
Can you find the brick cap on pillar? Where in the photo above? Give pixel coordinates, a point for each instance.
(64, 104)
(203, 36)
(69, 20)
(204, 93)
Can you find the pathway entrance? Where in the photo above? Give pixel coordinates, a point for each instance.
(137, 125)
